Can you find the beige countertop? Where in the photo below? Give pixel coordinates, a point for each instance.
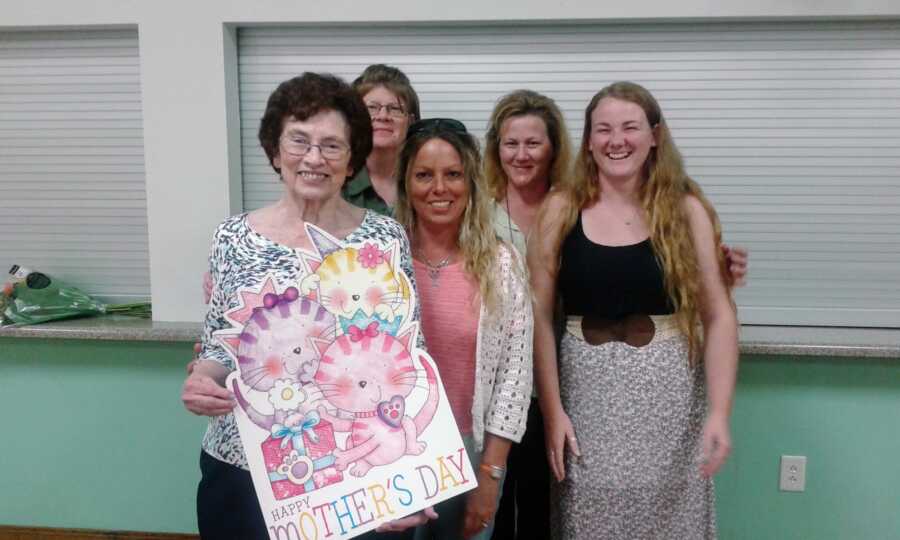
(109, 328)
(755, 340)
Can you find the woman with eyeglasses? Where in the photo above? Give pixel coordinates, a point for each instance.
(637, 402)
(476, 311)
(316, 132)
(393, 105)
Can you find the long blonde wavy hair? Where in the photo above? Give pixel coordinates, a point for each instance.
(477, 240)
(662, 194)
(525, 103)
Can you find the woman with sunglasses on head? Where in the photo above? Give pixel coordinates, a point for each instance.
(476, 311)
(633, 432)
(315, 132)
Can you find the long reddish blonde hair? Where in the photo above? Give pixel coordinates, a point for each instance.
(662, 194)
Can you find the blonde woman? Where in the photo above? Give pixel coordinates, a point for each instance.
(527, 152)
(475, 308)
(637, 411)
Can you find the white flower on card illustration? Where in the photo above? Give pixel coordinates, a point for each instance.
(286, 395)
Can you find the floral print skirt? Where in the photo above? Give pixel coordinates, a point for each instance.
(638, 414)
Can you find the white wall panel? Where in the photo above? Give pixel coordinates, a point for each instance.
(793, 129)
(72, 190)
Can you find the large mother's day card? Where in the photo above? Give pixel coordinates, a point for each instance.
(343, 418)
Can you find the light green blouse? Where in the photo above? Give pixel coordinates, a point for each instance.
(506, 229)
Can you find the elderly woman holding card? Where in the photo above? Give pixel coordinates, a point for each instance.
(476, 311)
(316, 132)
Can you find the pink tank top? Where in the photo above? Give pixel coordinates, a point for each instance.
(450, 308)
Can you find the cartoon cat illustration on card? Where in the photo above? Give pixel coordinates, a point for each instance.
(327, 367)
(358, 284)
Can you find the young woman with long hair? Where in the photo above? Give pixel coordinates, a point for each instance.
(636, 404)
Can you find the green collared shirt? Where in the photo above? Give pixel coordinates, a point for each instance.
(359, 191)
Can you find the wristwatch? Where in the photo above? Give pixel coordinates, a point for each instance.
(496, 472)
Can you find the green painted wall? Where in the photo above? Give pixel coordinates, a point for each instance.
(95, 436)
(844, 415)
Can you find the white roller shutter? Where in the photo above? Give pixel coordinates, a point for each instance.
(793, 129)
(72, 193)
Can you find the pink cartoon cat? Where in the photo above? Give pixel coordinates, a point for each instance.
(370, 374)
(277, 352)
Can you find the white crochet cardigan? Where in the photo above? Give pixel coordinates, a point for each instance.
(503, 356)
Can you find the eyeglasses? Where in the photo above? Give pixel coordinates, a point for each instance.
(393, 110)
(436, 125)
(299, 146)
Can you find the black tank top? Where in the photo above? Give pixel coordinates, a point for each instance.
(610, 281)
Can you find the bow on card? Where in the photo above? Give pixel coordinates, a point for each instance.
(295, 433)
(357, 334)
(271, 300)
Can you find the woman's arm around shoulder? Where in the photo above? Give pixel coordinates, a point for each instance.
(720, 349)
(543, 262)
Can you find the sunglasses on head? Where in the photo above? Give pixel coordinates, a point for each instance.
(435, 125)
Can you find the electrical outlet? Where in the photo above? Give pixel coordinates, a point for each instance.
(793, 473)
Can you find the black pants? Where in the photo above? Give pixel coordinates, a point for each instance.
(227, 507)
(524, 511)
(226, 502)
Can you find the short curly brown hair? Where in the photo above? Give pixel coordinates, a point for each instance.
(307, 95)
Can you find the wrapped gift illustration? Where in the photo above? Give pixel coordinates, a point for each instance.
(299, 458)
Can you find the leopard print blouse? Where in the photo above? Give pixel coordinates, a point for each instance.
(241, 257)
